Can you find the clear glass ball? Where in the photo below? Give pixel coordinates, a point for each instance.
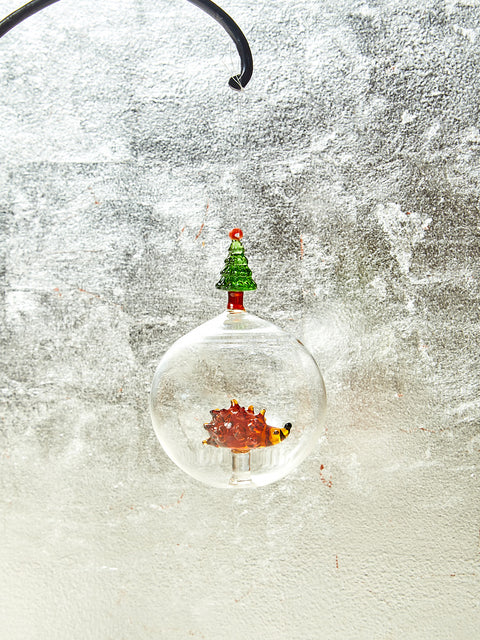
(237, 356)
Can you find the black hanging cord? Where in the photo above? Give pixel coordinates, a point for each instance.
(20, 14)
(237, 82)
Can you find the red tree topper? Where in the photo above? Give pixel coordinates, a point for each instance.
(236, 234)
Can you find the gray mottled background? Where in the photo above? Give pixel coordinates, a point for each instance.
(352, 162)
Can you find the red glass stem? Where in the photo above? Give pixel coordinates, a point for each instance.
(235, 301)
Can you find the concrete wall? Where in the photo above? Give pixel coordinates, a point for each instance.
(352, 164)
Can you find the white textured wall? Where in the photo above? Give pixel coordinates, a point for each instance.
(352, 164)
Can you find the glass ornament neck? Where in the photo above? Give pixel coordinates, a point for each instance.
(235, 301)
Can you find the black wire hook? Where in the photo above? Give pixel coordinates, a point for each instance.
(237, 82)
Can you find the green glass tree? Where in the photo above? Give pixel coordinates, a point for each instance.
(236, 275)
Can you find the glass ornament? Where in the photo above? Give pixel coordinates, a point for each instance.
(237, 402)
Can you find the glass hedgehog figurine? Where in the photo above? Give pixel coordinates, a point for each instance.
(241, 430)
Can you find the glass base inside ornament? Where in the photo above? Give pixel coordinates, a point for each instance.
(224, 394)
(241, 470)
